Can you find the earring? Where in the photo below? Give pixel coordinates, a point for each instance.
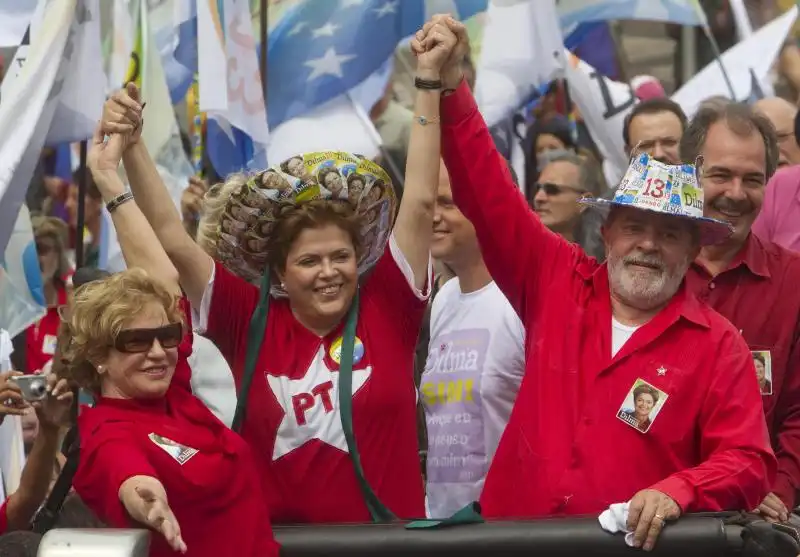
(283, 285)
(100, 369)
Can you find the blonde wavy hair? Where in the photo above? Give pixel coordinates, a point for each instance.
(99, 311)
(214, 203)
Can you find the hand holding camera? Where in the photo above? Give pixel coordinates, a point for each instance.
(50, 397)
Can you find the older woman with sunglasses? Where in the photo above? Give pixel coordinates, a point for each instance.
(331, 363)
(151, 453)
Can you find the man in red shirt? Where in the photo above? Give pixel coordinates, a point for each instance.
(752, 282)
(578, 438)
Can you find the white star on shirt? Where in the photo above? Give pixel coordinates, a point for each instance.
(326, 30)
(662, 370)
(299, 26)
(389, 7)
(329, 64)
(311, 406)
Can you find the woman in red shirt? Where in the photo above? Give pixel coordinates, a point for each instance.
(151, 453)
(336, 271)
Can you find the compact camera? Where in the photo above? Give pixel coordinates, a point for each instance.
(33, 387)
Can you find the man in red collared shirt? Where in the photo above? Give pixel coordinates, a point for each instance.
(596, 333)
(752, 282)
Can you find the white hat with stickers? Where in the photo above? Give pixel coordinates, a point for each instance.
(651, 185)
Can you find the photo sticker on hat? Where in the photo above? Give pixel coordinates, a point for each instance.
(762, 360)
(642, 405)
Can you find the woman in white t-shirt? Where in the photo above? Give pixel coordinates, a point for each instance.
(475, 363)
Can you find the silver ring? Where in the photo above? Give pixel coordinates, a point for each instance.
(661, 518)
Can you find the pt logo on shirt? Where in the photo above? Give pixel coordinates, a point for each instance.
(311, 406)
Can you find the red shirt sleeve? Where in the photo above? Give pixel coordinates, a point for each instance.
(233, 301)
(106, 461)
(787, 420)
(521, 254)
(738, 465)
(391, 286)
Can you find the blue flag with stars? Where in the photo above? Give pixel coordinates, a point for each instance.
(323, 48)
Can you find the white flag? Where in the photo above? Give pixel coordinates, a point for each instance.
(522, 50)
(30, 102)
(755, 54)
(603, 104)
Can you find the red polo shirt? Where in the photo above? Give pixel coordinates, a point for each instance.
(567, 449)
(760, 294)
(208, 471)
(41, 337)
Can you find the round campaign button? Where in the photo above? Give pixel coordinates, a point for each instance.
(336, 350)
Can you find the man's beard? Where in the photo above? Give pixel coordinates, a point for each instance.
(642, 290)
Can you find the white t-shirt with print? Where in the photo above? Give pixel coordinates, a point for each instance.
(476, 360)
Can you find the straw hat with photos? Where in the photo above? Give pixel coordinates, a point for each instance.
(246, 225)
(674, 190)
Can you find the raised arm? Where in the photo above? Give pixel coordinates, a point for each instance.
(139, 244)
(123, 114)
(414, 225)
(521, 254)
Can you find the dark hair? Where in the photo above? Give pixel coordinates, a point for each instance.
(88, 274)
(652, 106)
(741, 120)
(20, 544)
(558, 127)
(758, 356)
(293, 219)
(75, 514)
(645, 390)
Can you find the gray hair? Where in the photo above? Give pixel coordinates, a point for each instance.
(589, 178)
(742, 120)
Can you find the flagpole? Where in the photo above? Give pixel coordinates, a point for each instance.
(81, 217)
(715, 48)
(263, 20)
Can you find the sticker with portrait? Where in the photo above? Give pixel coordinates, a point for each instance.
(762, 360)
(180, 453)
(254, 198)
(242, 213)
(230, 225)
(642, 405)
(274, 185)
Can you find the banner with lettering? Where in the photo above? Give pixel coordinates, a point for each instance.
(603, 104)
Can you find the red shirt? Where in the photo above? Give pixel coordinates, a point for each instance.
(3, 517)
(760, 294)
(41, 337)
(567, 449)
(293, 417)
(211, 479)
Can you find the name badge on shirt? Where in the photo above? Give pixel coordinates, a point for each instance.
(762, 360)
(49, 345)
(642, 405)
(180, 453)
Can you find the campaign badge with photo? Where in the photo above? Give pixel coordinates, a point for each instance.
(180, 453)
(642, 405)
(762, 360)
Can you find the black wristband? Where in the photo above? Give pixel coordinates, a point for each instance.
(427, 84)
(119, 200)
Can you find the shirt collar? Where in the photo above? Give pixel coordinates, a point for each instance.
(753, 256)
(683, 303)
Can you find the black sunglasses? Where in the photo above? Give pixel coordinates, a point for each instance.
(134, 341)
(553, 189)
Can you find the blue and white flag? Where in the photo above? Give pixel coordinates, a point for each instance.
(323, 48)
(22, 300)
(682, 12)
(230, 87)
(175, 34)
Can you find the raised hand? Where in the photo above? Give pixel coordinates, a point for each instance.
(443, 44)
(122, 114)
(11, 401)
